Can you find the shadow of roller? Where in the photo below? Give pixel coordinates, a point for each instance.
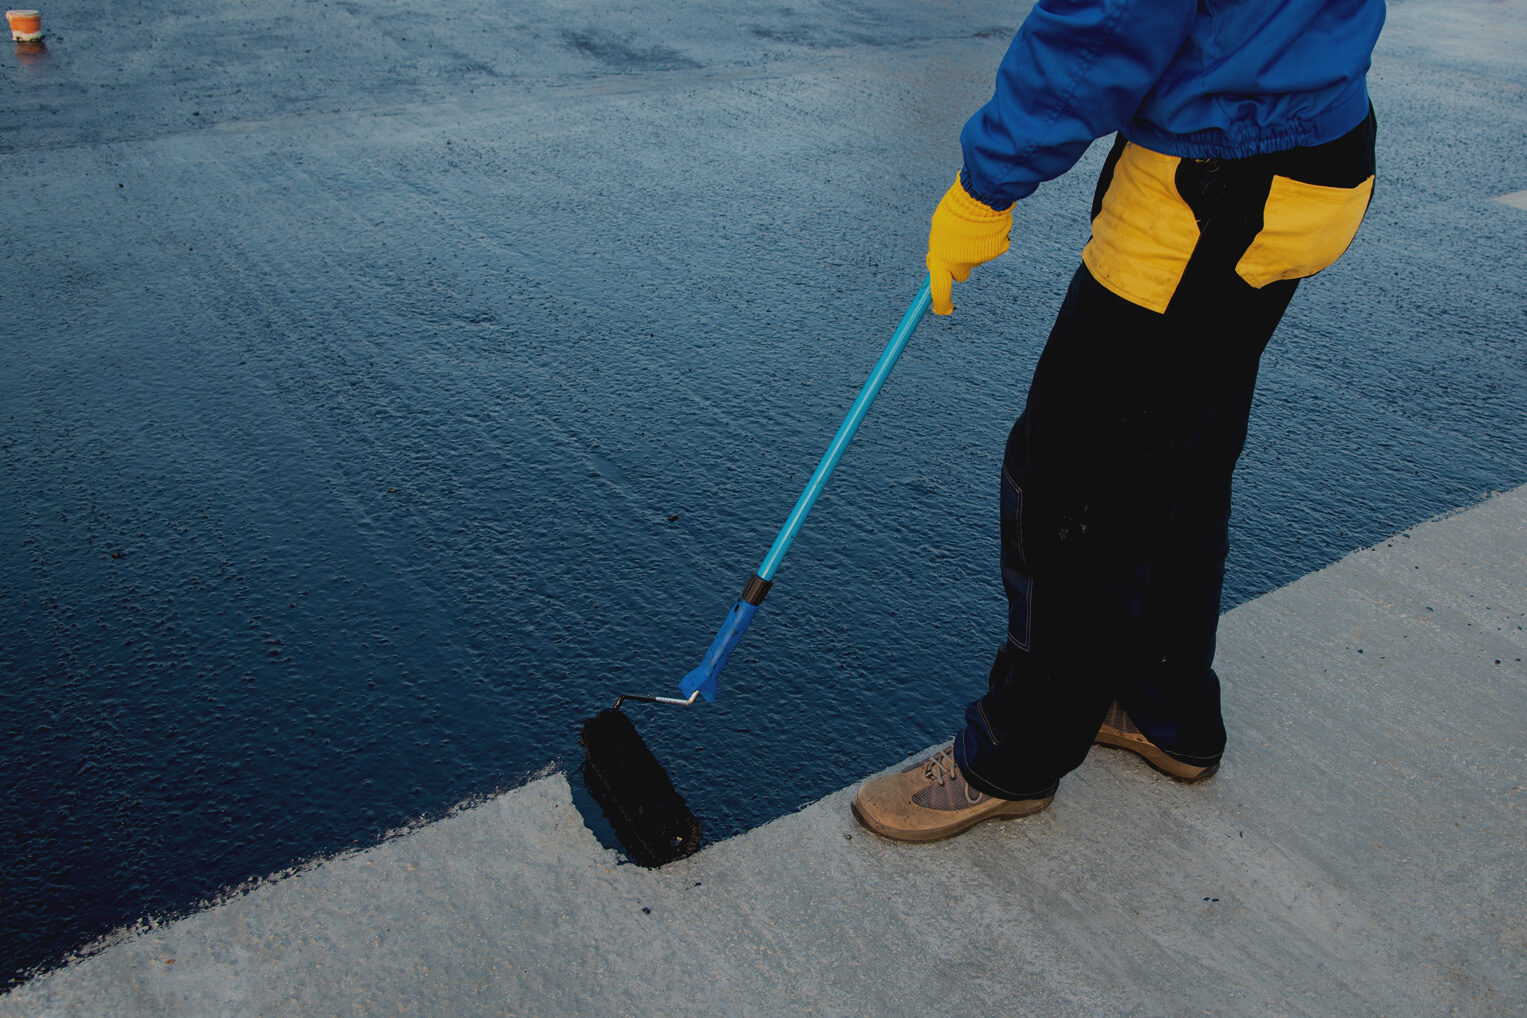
(650, 819)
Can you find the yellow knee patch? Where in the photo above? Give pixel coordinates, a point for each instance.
(1305, 228)
(1145, 233)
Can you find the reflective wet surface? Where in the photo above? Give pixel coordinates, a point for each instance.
(384, 388)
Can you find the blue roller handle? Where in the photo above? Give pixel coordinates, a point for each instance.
(729, 635)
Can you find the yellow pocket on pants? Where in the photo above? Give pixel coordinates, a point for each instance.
(1144, 234)
(1305, 228)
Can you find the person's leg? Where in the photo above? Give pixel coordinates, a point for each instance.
(1170, 691)
(1126, 406)
(1170, 694)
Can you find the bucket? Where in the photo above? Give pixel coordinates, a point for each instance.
(26, 26)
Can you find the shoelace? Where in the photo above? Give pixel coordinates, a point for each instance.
(942, 768)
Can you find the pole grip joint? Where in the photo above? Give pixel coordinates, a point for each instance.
(756, 590)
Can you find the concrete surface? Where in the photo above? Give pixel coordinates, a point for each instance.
(1361, 852)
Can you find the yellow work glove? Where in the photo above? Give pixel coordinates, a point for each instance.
(965, 233)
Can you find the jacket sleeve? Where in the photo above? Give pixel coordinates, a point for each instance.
(1076, 71)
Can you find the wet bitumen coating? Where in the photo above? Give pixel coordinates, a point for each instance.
(384, 386)
(1360, 852)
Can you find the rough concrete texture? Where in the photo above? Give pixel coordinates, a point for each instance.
(1361, 852)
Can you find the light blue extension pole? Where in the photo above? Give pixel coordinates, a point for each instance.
(702, 681)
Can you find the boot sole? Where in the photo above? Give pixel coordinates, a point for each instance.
(1010, 811)
(1153, 755)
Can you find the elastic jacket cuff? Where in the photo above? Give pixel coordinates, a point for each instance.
(992, 205)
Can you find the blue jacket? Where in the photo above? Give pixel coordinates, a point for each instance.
(1193, 78)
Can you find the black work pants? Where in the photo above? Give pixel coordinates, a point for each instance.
(1116, 493)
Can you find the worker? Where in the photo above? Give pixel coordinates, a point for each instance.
(1242, 161)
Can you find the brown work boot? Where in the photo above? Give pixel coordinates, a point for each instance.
(1120, 732)
(931, 800)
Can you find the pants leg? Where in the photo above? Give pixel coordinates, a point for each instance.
(1170, 690)
(1125, 408)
